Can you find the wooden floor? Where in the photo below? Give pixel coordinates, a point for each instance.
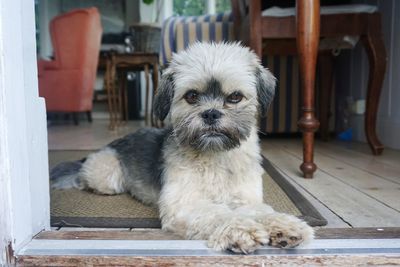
(351, 188)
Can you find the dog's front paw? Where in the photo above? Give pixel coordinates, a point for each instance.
(239, 235)
(286, 231)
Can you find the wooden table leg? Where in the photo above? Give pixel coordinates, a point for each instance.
(375, 48)
(120, 96)
(113, 72)
(255, 41)
(126, 106)
(308, 25)
(146, 105)
(155, 86)
(107, 81)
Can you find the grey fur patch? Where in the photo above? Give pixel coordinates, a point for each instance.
(164, 96)
(213, 89)
(265, 89)
(140, 155)
(65, 175)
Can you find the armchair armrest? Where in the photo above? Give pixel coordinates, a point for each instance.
(44, 65)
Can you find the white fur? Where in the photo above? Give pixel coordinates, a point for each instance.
(102, 172)
(208, 197)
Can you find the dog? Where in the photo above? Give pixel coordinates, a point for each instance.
(204, 170)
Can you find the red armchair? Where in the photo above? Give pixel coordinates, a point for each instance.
(67, 82)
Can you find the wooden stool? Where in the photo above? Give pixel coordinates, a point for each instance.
(119, 65)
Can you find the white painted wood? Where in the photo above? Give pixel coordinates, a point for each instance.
(382, 190)
(198, 247)
(36, 125)
(353, 206)
(23, 142)
(167, 9)
(211, 6)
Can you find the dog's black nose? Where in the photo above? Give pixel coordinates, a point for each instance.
(211, 116)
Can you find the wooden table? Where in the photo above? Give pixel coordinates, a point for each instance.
(117, 66)
(305, 29)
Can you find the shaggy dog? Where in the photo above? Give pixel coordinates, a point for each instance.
(203, 171)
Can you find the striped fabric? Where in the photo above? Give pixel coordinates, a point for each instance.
(284, 112)
(179, 32)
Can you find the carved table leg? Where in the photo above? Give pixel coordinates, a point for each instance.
(376, 52)
(255, 41)
(308, 23)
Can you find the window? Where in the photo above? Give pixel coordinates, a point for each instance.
(222, 5)
(200, 7)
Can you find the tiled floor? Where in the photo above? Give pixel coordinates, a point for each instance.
(87, 136)
(351, 188)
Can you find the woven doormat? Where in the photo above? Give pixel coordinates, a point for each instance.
(77, 208)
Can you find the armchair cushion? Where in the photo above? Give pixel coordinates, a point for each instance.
(44, 65)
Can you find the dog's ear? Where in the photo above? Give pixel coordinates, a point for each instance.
(164, 96)
(265, 84)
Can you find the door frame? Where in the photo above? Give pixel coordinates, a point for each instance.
(24, 180)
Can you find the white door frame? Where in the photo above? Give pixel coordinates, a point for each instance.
(24, 183)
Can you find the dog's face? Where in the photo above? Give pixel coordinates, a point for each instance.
(213, 94)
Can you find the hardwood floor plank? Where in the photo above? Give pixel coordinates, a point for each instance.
(383, 190)
(151, 234)
(389, 156)
(369, 163)
(358, 233)
(353, 206)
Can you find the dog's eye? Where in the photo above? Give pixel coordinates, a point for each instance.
(235, 97)
(191, 97)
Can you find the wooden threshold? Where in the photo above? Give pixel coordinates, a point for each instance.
(145, 247)
(330, 252)
(157, 234)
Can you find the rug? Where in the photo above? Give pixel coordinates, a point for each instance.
(77, 208)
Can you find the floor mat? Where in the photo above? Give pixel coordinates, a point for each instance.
(77, 208)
